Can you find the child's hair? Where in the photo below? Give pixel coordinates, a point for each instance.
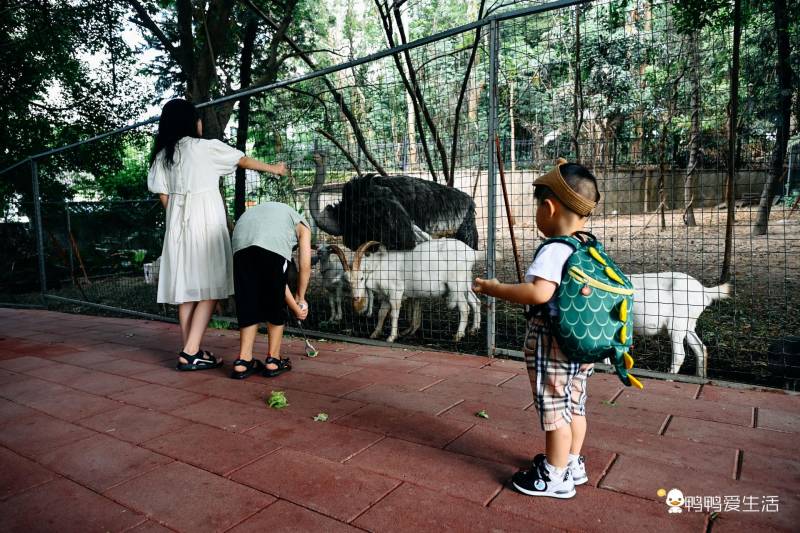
(579, 180)
(178, 120)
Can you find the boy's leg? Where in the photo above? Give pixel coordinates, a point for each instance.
(247, 339)
(275, 334)
(578, 427)
(557, 446)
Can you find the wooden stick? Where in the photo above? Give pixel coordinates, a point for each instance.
(80, 260)
(508, 208)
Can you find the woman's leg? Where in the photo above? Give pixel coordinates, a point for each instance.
(199, 323)
(185, 311)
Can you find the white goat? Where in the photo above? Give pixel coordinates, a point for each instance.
(440, 267)
(672, 302)
(333, 280)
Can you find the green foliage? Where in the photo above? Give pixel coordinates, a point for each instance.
(277, 400)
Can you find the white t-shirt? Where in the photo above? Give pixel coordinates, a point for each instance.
(549, 265)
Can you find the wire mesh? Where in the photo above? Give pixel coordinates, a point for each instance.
(617, 87)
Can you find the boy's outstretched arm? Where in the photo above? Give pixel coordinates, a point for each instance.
(537, 292)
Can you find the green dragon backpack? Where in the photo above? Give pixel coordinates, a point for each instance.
(595, 304)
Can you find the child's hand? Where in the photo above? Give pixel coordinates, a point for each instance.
(484, 286)
(281, 169)
(301, 311)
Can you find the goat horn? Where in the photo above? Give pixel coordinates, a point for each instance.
(361, 251)
(340, 253)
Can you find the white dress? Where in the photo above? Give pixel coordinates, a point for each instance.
(196, 262)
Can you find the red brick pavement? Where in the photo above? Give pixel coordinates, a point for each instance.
(98, 433)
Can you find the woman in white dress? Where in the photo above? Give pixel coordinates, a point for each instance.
(196, 262)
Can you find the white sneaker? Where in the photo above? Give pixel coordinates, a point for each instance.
(578, 470)
(537, 481)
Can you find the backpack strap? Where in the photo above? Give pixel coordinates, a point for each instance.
(569, 240)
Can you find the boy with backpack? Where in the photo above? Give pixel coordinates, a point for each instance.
(579, 313)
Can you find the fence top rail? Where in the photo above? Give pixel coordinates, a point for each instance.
(506, 15)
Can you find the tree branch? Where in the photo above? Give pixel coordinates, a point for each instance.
(338, 145)
(145, 21)
(362, 143)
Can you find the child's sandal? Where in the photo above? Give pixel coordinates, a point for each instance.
(284, 365)
(251, 367)
(202, 360)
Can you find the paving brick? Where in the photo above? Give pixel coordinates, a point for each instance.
(785, 520)
(770, 470)
(11, 410)
(752, 398)
(186, 498)
(524, 421)
(307, 404)
(158, 397)
(158, 357)
(101, 462)
(412, 508)
(405, 424)
(386, 363)
(518, 398)
(286, 517)
(507, 365)
(598, 510)
(323, 439)
(27, 390)
(35, 434)
(57, 372)
(473, 361)
(408, 381)
(677, 389)
(451, 473)
(86, 359)
(337, 490)
(22, 364)
(692, 456)
(225, 451)
(483, 376)
(379, 351)
(778, 420)
(322, 368)
(224, 414)
(133, 424)
(71, 405)
(125, 367)
(66, 507)
(518, 449)
(150, 527)
(8, 376)
(749, 439)
(169, 377)
(402, 398)
(328, 355)
(20, 474)
(698, 409)
(622, 416)
(643, 478)
(319, 384)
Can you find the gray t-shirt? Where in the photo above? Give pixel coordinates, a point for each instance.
(271, 226)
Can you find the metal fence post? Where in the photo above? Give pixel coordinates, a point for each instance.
(491, 200)
(37, 215)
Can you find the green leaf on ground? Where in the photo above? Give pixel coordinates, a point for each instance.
(277, 400)
(322, 417)
(482, 414)
(609, 403)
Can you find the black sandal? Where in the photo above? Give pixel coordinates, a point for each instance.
(284, 365)
(202, 360)
(252, 366)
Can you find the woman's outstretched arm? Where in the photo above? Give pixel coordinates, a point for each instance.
(254, 164)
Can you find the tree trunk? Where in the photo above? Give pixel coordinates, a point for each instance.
(784, 69)
(577, 94)
(733, 121)
(694, 131)
(511, 124)
(412, 132)
(245, 79)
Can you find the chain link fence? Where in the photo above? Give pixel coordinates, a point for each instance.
(482, 109)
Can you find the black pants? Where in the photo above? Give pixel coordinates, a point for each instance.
(259, 279)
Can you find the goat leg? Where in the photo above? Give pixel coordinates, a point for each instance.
(700, 352)
(463, 316)
(395, 302)
(382, 312)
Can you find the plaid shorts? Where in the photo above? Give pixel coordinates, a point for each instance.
(559, 385)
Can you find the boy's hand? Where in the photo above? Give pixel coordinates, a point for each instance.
(484, 286)
(281, 169)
